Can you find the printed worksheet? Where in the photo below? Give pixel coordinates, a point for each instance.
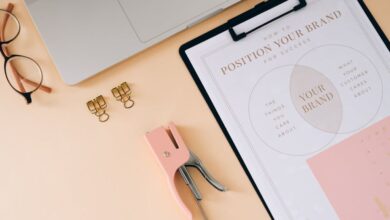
(306, 102)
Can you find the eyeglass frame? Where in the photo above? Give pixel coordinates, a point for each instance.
(8, 58)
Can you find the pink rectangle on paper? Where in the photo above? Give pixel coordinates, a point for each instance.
(355, 174)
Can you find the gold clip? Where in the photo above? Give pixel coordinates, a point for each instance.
(98, 107)
(123, 93)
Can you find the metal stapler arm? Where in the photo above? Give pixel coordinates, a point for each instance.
(195, 162)
(190, 182)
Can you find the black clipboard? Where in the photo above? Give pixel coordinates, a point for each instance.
(229, 26)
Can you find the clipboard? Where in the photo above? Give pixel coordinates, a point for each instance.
(278, 14)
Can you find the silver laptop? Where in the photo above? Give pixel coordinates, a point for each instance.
(85, 37)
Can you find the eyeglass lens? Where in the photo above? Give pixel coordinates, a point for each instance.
(9, 26)
(27, 77)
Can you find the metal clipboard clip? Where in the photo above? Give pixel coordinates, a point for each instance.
(260, 8)
(174, 157)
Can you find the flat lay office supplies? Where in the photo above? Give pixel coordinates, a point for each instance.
(291, 84)
(82, 42)
(98, 107)
(174, 156)
(122, 93)
(23, 73)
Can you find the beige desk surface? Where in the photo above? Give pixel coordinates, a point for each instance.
(58, 162)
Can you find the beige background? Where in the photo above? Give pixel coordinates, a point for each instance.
(58, 162)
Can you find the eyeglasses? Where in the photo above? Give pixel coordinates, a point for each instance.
(23, 73)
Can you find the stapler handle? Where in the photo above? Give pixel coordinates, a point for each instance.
(172, 153)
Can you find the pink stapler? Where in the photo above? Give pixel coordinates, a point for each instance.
(174, 156)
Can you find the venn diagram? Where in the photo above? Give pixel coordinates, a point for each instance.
(299, 109)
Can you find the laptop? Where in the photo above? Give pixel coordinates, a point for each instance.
(85, 37)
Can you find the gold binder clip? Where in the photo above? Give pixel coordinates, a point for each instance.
(123, 93)
(98, 107)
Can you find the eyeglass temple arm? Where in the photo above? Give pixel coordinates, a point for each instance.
(17, 75)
